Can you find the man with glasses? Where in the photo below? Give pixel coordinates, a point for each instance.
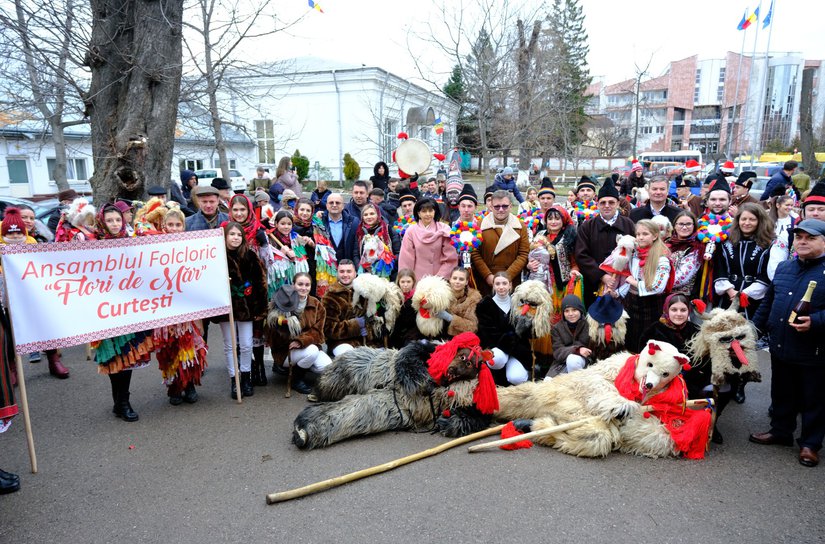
(597, 239)
(340, 226)
(504, 245)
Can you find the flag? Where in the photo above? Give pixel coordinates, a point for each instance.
(748, 20)
(315, 6)
(768, 17)
(439, 126)
(743, 24)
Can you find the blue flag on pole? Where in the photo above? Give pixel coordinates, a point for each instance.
(768, 17)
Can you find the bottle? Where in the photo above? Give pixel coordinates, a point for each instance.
(803, 307)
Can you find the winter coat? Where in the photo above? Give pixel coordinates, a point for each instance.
(319, 200)
(776, 185)
(176, 195)
(247, 282)
(566, 342)
(199, 222)
(312, 331)
(596, 240)
(464, 313)
(380, 182)
(499, 183)
(646, 212)
(428, 251)
(496, 331)
(699, 374)
(786, 344)
(347, 248)
(276, 190)
(511, 259)
(289, 180)
(341, 326)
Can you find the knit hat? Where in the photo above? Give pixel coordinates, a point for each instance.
(547, 187)
(488, 192)
(816, 196)
(635, 165)
(13, 222)
(406, 194)
(608, 190)
(720, 184)
(585, 182)
(220, 184)
(692, 166)
(68, 194)
(507, 171)
(454, 184)
(484, 396)
(572, 301)
(261, 196)
(468, 193)
(728, 167)
(745, 179)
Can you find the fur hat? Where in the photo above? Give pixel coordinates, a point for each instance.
(13, 222)
(376, 291)
(81, 213)
(485, 396)
(432, 296)
(608, 189)
(152, 212)
(468, 193)
(532, 307)
(406, 194)
(283, 309)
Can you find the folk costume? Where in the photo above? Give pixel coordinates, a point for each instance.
(326, 259)
(285, 268)
(744, 267)
(375, 246)
(77, 222)
(686, 258)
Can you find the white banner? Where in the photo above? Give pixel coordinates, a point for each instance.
(65, 294)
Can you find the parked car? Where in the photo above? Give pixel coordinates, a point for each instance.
(758, 186)
(236, 180)
(42, 210)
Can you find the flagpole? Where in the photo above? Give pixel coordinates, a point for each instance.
(759, 87)
(735, 97)
(764, 88)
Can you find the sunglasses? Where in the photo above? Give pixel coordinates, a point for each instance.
(501, 207)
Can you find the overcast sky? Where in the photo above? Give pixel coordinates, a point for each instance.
(621, 34)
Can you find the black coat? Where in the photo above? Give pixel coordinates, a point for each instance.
(645, 212)
(247, 281)
(496, 331)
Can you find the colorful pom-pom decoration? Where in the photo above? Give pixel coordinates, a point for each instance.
(465, 236)
(402, 224)
(531, 218)
(713, 228)
(585, 209)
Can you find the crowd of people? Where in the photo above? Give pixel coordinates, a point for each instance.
(293, 261)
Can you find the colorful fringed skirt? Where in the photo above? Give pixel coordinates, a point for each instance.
(124, 352)
(181, 354)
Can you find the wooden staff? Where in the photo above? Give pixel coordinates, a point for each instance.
(272, 498)
(563, 427)
(24, 405)
(88, 352)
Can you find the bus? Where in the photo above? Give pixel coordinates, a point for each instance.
(671, 157)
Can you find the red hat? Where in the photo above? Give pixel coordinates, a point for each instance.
(692, 166)
(484, 396)
(634, 165)
(727, 167)
(13, 222)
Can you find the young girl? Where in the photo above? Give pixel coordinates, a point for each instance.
(651, 276)
(784, 219)
(685, 253)
(119, 355)
(241, 211)
(180, 349)
(532, 202)
(406, 282)
(375, 243)
(302, 226)
(247, 281)
(496, 332)
(290, 254)
(295, 329)
(462, 314)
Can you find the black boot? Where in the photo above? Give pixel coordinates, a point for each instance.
(258, 369)
(298, 383)
(233, 392)
(246, 384)
(739, 396)
(9, 483)
(189, 394)
(722, 400)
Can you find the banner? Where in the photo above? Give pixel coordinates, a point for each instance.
(65, 294)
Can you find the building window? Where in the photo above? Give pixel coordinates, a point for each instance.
(75, 169)
(390, 138)
(216, 163)
(191, 164)
(720, 94)
(265, 135)
(660, 130)
(722, 74)
(698, 75)
(647, 130)
(18, 170)
(696, 96)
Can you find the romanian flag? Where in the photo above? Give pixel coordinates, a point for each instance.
(315, 6)
(749, 20)
(439, 126)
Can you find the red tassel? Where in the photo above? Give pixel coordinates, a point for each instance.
(653, 348)
(608, 333)
(440, 156)
(485, 396)
(450, 393)
(571, 286)
(402, 136)
(744, 301)
(446, 413)
(509, 431)
(700, 305)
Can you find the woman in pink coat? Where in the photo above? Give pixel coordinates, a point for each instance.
(426, 248)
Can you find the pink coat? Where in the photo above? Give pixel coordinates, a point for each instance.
(428, 251)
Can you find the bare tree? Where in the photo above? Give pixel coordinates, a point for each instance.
(135, 58)
(806, 126)
(42, 48)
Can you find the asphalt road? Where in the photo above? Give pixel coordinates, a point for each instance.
(200, 473)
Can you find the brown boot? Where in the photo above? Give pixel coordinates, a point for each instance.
(56, 367)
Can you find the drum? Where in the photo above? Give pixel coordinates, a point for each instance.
(413, 155)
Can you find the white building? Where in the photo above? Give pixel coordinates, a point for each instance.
(326, 109)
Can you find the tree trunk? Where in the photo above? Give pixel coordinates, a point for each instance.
(212, 91)
(135, 59)
(59, 140)
(526, 52)
(806, 126)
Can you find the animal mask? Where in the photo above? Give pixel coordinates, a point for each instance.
(532, 309)
(728, 339)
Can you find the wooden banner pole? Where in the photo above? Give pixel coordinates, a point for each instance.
(24, 405)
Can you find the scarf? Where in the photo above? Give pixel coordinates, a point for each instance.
(305, 223)
(503, 302)
(690, 243)
(642, 253)
(252, 225)
(665, 319)
(379, 229)
(101, 232)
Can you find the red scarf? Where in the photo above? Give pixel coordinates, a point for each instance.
(688, 428)
(379, 229)
(252, 225)
(101, 232)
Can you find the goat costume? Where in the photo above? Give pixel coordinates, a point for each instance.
(422, 386)
(614, 390)
(379, 301)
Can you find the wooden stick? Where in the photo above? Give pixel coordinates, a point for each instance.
(561, 428)
(272, 498)
(288, 393)
(24, 404)
(88, 352)
(234, 335)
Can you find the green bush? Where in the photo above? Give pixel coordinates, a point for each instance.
(301, 165)
(351, 169)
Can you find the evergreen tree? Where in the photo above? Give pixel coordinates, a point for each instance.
(301, 164)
